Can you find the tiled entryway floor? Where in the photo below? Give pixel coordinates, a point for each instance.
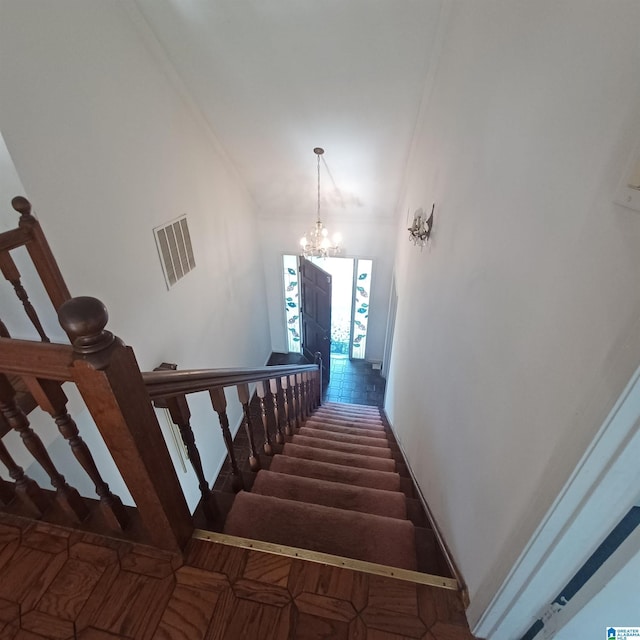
(355, 382)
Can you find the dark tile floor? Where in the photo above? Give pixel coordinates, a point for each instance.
(354, 381)
(351, 381)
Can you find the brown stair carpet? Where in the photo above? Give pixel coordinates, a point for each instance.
(336, 473)
(364, 425)
(338, 457)
(336, 428)
(349, 534)
(344, 447)
(310, 432)
(335, 489)
(331, 494)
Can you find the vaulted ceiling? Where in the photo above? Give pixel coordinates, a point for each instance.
(276, 78)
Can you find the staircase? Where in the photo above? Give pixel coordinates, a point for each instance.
(336, 489)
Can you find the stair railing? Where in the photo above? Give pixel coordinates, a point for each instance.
(290, 398)
(119, 398)
(29, 234)
(108, 378)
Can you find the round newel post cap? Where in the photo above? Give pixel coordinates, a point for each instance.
(21, 205)
(84, 319)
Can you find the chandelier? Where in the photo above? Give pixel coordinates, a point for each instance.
(316, 243)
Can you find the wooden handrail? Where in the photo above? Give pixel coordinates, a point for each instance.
(39, 359)
(14, 238)
(165, 384)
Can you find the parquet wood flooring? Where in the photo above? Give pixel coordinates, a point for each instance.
(60, 584)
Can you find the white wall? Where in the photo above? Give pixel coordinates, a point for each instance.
(616, 605)
(362, 238)
(107, 148)
(519, 326)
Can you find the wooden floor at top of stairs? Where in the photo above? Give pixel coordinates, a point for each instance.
(60, 584)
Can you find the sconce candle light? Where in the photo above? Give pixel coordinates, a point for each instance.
(420, 230)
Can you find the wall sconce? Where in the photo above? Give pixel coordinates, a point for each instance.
(420, 230)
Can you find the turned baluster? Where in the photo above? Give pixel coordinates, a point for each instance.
(306, 379)
(180, 413)
(284, 383)
(295, 423)
(312, 391)
(41, 254)
(27, 490)
(303, 396)
(4, 332)
(243, 396)
(317, 358)
(261, 393)
(273, 387)
(11, 273)
(68, 497)
(7, 493)
(52, 399)
(219, 403)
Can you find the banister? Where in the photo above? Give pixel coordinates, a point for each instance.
(14, 238)
(165, 384)
(39, 359)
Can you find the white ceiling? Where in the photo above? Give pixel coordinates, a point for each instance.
(276, 78)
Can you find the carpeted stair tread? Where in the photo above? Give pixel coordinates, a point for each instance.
(337, 457)
(336, 428)
(391, 504)
(390, 481)
(361, 409)
(345, 447)
(346, 424)
(336, 436)
(344, 533)
(346, 417)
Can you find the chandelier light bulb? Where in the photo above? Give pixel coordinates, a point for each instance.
(303, 241)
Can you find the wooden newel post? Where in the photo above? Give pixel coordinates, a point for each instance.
(41, 254)
(108, 378)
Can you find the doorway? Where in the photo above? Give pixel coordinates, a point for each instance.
(350, 300)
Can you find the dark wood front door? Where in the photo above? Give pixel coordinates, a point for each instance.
(316, 314)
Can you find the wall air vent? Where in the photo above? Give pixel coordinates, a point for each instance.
(175, 250)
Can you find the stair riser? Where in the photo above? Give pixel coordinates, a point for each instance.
(345, 424)
(390, 504)
(331, 445)
(336, 457)
(322, 434)
(345, 406)
(355, 535)
(342, 417)
(337, 473)
(336, 428)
